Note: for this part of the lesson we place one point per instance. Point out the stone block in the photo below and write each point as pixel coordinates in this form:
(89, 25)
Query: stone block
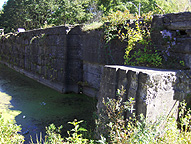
(56, 30)
(75, 30)
(157, 92)
(179, 25)
(74, 41)
(92, 75)
(55, 40)
(177, 21)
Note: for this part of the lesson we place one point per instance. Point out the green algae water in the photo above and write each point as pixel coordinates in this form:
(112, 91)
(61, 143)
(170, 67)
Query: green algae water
(35, 106)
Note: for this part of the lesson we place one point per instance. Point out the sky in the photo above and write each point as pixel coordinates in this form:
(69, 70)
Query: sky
(1, 3)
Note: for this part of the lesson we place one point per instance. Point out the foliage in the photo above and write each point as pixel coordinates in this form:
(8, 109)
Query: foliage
(109, 6)
(111, 122)
(32, 14)
(139, 37)
(71, 12)
(135, 32)
(27, 14)
(115, 128)
(115, 22)
(172, 6)
(92, 26)
(140, 49)
(184, 117)
(9, 132)
(54, 137)
(174, 134)
(75, 137)
(156, 6)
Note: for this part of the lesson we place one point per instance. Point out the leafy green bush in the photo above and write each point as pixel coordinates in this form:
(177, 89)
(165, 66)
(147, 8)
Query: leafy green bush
(140, 49)
(9, 132)
(53, 135)
(172, 6)
(113, 127)
(178, 132)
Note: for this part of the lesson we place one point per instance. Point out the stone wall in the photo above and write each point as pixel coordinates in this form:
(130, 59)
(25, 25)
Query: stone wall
(172, 35)
(71, 60)
(64, 58)
(156, 92)
(40, 54)
(95, 56)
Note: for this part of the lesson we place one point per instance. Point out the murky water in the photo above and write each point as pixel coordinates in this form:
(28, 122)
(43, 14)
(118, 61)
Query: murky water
(35, 106)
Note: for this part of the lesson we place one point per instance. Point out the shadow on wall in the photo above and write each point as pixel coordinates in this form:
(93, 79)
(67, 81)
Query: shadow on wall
(61, 57)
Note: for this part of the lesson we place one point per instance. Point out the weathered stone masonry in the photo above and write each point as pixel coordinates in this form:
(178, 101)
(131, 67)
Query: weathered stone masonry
(64, 58)
(71, 60)
(156, 92)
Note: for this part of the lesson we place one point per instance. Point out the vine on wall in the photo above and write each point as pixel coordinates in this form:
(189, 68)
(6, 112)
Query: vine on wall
(114, 23)
(135, 31)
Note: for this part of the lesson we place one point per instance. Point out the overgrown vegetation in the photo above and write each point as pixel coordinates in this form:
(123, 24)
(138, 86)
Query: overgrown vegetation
(9, 132)
(140, 49)
(128, 21)
(135, 32)
(32, 14)
(114, 127)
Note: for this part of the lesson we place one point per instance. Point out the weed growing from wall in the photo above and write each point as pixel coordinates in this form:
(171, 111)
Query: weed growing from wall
(41, 38)
(112, 24)
(140, 49)
(135, 31)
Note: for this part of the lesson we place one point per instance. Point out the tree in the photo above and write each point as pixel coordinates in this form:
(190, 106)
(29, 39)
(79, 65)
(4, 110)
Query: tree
(37, 12)
(9, 18)
(32, 14)
(171, 6)
(71, 12)
(108, 6)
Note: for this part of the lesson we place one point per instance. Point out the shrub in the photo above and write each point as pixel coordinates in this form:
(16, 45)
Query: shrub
(9, 132)
(75, 136)
(113, 127)
(178, 132)
(140, 50)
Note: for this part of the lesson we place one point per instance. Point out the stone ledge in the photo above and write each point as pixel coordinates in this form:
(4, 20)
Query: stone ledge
(156, 92)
